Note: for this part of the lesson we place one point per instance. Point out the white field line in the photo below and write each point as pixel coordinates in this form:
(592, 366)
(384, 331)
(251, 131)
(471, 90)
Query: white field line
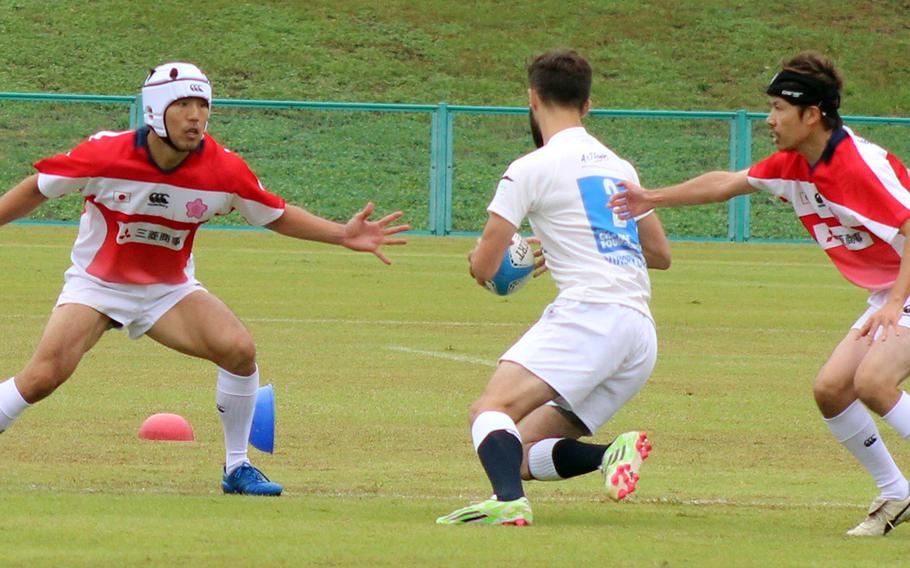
(389, 322)
(443, 355)
(633, 500)
(479, 324)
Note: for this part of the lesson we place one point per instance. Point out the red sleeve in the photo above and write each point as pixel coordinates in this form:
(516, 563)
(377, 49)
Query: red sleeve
(772, 173)
(257, 205)
(65, 173)
(774, 166)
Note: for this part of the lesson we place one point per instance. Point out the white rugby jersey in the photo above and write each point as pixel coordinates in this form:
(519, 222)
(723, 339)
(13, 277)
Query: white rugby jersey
(853, 203)
(139, 221)
(563, 189)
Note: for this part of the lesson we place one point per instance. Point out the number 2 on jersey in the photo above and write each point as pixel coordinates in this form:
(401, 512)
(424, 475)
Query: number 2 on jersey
(611, 233)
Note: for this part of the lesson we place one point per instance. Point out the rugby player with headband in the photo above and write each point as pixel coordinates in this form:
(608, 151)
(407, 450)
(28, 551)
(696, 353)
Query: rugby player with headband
(804, 90)
(853, 197)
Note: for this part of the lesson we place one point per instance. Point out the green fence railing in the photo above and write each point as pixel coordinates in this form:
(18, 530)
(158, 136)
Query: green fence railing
(444, 136)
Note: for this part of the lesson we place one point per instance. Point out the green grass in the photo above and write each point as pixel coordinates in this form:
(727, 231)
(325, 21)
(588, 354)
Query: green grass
(374, 368)
(688, 55)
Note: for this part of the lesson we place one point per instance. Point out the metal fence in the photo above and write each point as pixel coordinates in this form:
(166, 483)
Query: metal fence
(452, 206)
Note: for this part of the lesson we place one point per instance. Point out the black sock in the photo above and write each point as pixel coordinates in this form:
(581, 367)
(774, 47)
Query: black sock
(571, 457)
(500, 453)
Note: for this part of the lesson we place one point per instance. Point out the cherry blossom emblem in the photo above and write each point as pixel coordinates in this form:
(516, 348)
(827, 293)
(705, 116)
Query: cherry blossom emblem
(196, 208)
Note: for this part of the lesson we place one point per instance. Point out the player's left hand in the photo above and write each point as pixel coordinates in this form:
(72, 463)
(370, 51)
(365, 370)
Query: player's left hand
(361, 234)
(540, 263)
(887, 319)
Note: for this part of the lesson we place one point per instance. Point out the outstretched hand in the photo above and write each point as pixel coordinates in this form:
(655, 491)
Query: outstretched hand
(629, 203)
(363, 235)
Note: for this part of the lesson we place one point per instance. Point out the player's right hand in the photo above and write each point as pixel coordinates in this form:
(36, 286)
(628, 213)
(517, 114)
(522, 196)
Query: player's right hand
(540, 263)
(631, 202)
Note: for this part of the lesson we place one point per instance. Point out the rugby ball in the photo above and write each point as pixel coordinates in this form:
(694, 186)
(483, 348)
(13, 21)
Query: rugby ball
(515, 270)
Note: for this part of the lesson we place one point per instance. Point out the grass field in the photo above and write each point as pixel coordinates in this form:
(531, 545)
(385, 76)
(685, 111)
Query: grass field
(374, 368)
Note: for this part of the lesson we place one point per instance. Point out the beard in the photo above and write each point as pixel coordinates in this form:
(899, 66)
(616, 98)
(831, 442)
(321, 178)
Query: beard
(536, 134)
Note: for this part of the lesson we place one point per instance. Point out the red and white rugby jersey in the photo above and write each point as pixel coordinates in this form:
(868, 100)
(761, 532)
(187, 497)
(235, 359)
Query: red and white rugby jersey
(853, 202)
(139, 222)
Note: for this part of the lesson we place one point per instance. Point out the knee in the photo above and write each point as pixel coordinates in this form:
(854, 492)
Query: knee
(238, 355)
(474, 411)
(39, 380)
(485, 404)
(826, 391)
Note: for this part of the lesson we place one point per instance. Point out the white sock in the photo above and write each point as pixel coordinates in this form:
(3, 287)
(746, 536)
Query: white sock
(899, 416)
(236, 400)
(491, 421)
(540, 460)
(11, 403)
(855, 429)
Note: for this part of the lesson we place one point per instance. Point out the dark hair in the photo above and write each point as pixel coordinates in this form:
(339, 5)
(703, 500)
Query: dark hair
(820, 68)
(561, 77)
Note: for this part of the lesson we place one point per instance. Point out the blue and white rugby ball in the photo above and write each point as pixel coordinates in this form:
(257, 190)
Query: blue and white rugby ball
(515, 270)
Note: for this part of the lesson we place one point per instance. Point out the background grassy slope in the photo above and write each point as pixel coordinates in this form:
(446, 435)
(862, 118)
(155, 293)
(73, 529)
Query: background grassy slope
(647, 55)
(707, 55)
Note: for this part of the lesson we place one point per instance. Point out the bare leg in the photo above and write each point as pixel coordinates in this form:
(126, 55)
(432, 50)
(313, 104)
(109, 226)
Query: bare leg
(73, 329)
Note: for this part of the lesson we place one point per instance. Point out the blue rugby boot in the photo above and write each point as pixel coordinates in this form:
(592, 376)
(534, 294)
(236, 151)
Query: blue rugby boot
(247, 480)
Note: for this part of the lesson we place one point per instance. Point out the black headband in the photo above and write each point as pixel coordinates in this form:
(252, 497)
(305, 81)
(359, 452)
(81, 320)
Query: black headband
(799, 89)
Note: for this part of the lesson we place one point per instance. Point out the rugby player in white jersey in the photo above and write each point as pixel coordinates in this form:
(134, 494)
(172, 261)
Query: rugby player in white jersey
(595, 346)
(146, 194)
(853, 197)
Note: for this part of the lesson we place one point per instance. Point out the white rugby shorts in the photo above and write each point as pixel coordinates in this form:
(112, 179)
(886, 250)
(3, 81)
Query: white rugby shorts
(135, 308)
(876, 301)
(596, 356)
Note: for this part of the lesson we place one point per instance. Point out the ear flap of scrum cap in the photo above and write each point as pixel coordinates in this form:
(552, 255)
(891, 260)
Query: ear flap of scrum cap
(167, 83)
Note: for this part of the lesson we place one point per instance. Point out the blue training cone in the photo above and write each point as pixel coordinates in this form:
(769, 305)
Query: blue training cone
(262, 434)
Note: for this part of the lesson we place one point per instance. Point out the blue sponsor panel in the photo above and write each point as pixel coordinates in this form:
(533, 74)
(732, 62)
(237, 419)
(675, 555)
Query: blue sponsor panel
(615, 238)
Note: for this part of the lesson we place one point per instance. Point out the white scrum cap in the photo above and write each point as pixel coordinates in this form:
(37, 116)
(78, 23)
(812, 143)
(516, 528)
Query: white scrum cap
(167, 83)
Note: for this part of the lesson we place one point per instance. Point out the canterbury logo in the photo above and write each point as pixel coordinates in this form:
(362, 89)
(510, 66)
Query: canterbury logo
(869, 441)
(159, 199)
(196, 88)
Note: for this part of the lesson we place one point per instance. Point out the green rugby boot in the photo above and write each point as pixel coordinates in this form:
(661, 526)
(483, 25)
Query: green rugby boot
(621, 463)
(491, 512)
